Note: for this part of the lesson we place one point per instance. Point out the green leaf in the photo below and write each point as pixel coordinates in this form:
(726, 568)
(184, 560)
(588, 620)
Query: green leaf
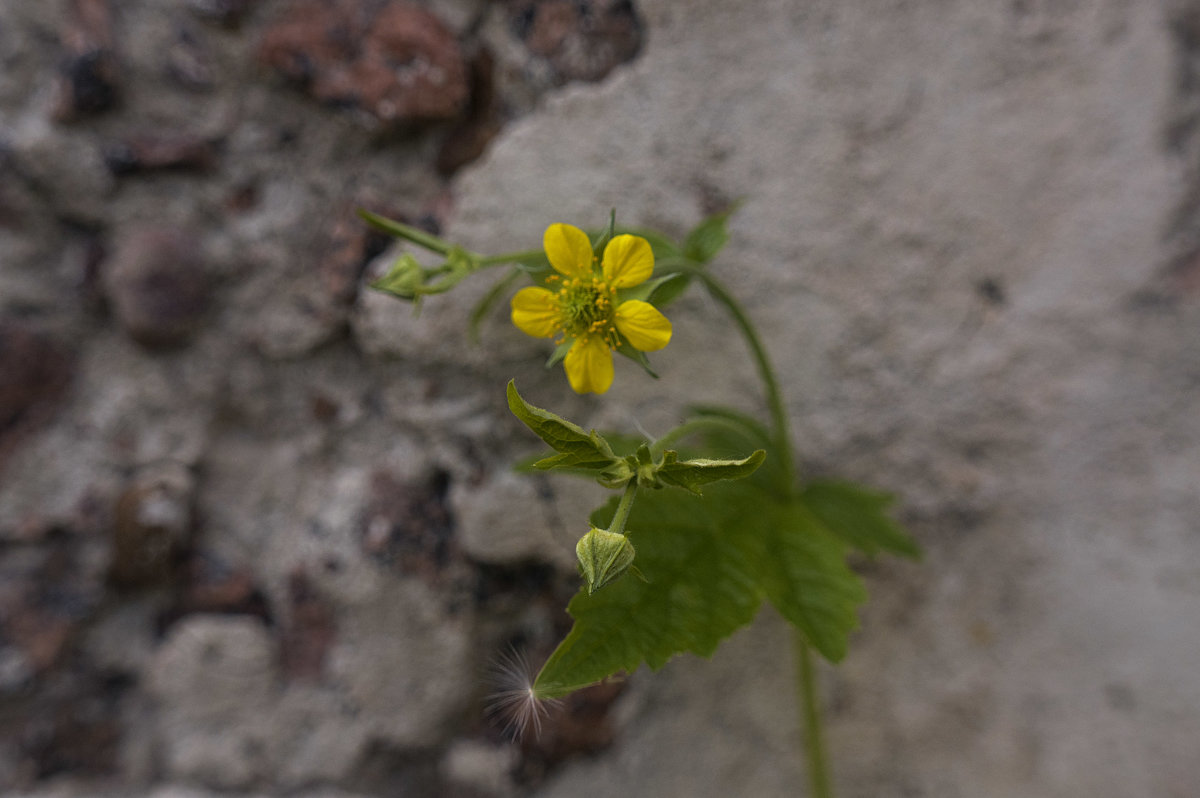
(709, 237)
(701, 589)
(620, 443)
(709, 562)
(729, 432)
(577, 449)
(805, 576)
(859, 517)
(691, 475)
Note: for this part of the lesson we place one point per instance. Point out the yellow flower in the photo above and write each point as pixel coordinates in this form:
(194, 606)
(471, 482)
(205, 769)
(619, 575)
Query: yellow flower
(581, 304)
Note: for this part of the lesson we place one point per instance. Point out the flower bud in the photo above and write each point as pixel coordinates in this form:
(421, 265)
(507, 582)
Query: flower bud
(603, 557)
(404, 279)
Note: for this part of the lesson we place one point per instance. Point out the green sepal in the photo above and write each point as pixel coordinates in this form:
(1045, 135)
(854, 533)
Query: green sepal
(644, 291)
(605, 235)
(636, 355)
(691, 475)
(559, 353)
(577, 448)
(859, 517)
(603, 557)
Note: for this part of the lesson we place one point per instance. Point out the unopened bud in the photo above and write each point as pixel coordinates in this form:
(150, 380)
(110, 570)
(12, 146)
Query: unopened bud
(603, 557)
(404, 279)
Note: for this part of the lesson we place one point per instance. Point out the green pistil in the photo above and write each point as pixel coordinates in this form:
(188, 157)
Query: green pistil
(586, 307)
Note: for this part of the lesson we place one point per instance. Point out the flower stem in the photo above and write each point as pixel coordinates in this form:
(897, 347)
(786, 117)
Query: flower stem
(623, 508)
(779, 419)
(814, 744)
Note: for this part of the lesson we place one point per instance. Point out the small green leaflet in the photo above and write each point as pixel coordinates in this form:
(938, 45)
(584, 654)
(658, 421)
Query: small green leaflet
(691, 475)
(708, 562)
(577, 449)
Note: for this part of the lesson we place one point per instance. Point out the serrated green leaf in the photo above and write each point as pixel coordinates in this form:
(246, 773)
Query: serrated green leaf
(578, 449)
(710, 561)
(804, 574)
(858, 516)
(691, 475)
(702, 587)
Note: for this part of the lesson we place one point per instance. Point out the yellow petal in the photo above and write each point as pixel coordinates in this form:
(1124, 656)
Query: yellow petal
(569, 250)
(535, 312)
(628, 260)
(589, 365)
(642, 323)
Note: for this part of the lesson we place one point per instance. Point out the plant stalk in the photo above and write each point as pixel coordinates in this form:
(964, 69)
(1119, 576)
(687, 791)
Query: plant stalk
(779, 419)
(814, 741)
(623, 508)
(810, 712)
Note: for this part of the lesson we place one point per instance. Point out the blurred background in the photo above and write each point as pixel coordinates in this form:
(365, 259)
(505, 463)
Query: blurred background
(259, 534)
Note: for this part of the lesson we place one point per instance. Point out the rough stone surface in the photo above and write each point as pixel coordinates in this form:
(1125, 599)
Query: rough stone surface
(157, 285)
(399, 63)
(969, 232)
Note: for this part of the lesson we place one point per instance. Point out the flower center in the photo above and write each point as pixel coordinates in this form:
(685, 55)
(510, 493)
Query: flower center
(585, 307)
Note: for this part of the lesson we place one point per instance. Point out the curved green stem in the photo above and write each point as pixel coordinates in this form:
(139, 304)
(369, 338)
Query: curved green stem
(814, 743)
(779, 419)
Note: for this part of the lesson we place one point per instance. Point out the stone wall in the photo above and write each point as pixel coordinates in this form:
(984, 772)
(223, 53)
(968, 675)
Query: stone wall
(258, 532)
